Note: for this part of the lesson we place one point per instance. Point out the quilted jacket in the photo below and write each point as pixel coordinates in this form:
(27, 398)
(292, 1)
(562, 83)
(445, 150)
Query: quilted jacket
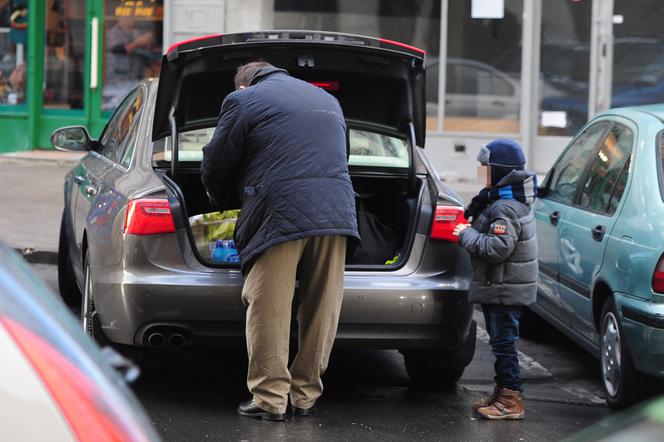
(281, 145)
(503, 248)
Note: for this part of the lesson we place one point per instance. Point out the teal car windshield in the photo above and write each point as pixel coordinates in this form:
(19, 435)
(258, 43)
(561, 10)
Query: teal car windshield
(367, 148)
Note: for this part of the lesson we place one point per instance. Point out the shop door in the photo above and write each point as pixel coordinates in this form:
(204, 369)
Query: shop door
(126, 47)
(564, 83)
(95, 51)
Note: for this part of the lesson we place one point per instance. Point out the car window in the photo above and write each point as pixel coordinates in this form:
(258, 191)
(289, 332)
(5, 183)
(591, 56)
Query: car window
(112, 139)
(600, 191)
(567, 172)
(132, 119)
(367, 148)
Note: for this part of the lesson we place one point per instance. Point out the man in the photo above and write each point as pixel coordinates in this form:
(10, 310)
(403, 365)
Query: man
(503, 248)
(281, 145)
(128, 54)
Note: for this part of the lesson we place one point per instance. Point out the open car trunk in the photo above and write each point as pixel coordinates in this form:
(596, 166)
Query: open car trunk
(380, 85)
(388, 209)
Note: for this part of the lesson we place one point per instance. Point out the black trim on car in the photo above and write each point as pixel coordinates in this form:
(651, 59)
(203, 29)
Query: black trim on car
(575, 285)
(548, 270)
(656, 321)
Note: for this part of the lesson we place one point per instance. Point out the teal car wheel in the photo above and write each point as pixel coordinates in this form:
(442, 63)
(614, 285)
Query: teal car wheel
(611, 371)
(619, 377)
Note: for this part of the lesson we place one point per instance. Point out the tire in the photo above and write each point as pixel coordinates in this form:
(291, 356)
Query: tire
(620, 380)
(89, 317)
(430, 369)
(532, 326)
(69, 291)
(439, 369)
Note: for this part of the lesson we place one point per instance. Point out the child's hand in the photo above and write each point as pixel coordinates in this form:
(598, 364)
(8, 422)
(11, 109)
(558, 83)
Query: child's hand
(460, 228)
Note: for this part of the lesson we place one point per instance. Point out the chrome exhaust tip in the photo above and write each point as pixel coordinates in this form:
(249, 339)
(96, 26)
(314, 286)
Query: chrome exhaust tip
(156, 340)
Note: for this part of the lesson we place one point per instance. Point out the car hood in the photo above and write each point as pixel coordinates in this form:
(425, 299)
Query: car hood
(375, 80)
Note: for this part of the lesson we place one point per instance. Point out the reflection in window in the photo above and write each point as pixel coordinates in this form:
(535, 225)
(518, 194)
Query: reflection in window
(132, 46)
(415, 22)
(64, 54)
(604, 186)
(564, 67)
(483, 72)
(13, 49)
(638, 54)
(566, 174)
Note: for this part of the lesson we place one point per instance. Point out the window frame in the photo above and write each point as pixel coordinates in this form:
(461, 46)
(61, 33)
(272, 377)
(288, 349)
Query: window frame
(117, 116)
(586, 172)
(600, 140)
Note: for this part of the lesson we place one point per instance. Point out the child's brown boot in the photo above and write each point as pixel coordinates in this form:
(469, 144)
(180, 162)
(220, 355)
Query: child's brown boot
(508, 405)
(486, 401)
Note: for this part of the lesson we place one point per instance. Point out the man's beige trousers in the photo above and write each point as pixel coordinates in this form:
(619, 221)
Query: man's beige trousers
(268, 294)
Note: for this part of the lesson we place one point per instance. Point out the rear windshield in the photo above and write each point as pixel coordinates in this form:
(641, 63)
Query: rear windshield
(367, 149)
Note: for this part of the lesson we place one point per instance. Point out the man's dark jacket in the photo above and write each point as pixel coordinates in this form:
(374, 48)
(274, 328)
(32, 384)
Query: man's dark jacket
(281, 145)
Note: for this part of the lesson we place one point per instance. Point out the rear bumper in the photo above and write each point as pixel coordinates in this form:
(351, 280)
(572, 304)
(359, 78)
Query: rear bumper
(643, 324)
(378, 310)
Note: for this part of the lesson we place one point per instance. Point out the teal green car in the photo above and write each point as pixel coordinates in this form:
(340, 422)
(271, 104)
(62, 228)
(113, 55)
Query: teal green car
(600, 221)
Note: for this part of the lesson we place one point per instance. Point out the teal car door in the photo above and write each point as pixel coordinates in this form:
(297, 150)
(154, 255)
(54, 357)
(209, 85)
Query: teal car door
(557, 198)
(584, 230)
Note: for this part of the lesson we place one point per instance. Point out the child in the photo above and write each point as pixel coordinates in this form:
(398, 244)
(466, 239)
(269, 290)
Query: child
(503, 248)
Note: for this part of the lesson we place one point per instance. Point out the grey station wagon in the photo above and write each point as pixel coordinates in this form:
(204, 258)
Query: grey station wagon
(129, 254)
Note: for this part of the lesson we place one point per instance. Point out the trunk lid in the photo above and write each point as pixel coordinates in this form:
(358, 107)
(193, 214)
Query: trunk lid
(377, 81)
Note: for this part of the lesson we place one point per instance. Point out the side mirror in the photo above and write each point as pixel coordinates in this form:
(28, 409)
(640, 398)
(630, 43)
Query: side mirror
(71, 139)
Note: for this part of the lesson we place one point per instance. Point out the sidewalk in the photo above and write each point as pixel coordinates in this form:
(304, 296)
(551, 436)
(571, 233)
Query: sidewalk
(31, 201)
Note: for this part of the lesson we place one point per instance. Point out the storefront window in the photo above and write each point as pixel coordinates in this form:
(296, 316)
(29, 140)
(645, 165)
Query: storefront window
(483, 73)
(13, 50)
(638, 53)
(564, 67)
(64, 54)
(132, 46)
(415, 22)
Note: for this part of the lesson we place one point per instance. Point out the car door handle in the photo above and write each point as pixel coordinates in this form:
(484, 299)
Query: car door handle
(90, 190)
(554, 218)
(79, 179)
(498, 104)
(598, 233)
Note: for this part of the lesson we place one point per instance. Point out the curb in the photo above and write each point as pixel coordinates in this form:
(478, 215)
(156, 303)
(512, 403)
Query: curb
(38, 256)
(38, 162)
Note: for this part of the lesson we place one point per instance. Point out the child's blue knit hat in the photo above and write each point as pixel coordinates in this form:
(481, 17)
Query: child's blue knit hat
(502, 152)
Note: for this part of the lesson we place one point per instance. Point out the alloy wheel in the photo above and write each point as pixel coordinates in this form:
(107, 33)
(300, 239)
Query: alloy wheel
(611, 352)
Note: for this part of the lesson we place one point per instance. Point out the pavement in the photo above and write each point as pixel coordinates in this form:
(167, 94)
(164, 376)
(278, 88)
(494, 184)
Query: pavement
(31, 200)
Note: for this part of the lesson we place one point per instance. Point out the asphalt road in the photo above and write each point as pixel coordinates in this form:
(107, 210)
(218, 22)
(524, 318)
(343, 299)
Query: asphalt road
(192, 396)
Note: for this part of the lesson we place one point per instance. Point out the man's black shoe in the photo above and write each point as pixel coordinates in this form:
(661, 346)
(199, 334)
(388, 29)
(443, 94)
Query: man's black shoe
(303, 412)
(251, 409)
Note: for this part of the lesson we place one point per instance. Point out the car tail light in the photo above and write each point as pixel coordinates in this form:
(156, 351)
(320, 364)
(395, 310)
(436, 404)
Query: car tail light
(332, 85)
(658, 276)
(149, 216)
(444, 222)
(79, 400)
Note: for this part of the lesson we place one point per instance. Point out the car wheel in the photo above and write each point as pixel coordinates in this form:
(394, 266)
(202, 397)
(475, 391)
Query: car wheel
(430, 368)
(87, 304)
(439, 369)
(619, 377)
(531, 325)
(69, 291)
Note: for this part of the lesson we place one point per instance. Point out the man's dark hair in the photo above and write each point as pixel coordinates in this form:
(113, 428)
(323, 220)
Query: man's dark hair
(247, 71)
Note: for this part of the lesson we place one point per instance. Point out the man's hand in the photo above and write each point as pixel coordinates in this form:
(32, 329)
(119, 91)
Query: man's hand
(460, 228)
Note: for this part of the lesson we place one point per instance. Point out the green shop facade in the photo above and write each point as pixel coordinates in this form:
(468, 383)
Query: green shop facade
(69, 62)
